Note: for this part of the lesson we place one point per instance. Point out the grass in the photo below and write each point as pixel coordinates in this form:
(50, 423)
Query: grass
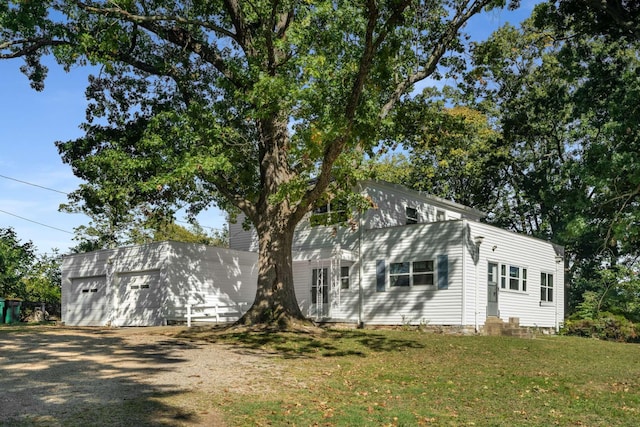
(412, 378)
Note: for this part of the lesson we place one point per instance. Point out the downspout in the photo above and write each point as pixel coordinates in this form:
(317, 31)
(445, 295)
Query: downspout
(360, 268)
(463, 317)
(477, 240)
(559, 259)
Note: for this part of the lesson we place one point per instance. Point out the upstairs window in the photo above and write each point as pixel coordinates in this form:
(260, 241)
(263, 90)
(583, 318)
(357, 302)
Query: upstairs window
(329, 213)
(411, 215)
(440, 215)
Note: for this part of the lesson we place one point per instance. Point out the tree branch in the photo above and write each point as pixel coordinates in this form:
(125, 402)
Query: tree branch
(34, 44)
(438, 51)
(176, 35)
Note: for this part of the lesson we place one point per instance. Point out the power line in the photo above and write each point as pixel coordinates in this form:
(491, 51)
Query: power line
(36, 222)
(66, 194)
(34, 185)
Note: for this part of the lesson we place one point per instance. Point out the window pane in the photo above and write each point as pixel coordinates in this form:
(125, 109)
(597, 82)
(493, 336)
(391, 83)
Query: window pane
(412, 215)
(422, 266)
(543, 293)
(550, 295)
(550, 281)
(399, 280)
(399, 268)
(514, 284)
(423, 279)
(514, 271)
(344, 277)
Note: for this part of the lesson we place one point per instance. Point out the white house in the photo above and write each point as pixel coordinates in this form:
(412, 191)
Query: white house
(413, 259)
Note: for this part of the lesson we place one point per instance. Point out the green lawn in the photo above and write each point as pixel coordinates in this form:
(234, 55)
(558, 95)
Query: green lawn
(412, 378)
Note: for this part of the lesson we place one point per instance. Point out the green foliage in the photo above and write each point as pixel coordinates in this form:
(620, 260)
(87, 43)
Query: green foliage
(25, 274)
(44, 281)
(16, 259)
(606, 326)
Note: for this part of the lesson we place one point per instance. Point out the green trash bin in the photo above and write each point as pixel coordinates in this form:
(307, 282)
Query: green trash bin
(1, 310)
(12, 308)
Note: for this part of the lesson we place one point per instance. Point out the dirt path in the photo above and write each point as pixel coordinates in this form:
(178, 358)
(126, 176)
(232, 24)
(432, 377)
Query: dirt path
(130, 376)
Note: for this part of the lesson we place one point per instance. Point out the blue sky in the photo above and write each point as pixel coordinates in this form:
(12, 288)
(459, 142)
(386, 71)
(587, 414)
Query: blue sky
(30, 123)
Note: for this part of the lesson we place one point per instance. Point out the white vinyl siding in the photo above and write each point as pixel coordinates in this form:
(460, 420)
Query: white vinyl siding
(507, 248)
(417, 304)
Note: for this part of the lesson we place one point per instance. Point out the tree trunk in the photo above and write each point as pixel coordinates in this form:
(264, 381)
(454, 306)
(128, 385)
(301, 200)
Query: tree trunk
(275, 303)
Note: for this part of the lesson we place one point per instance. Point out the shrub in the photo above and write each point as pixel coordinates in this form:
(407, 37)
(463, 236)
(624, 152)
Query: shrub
(606, 326)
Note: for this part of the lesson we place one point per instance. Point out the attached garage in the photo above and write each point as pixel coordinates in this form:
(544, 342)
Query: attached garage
(152, 284)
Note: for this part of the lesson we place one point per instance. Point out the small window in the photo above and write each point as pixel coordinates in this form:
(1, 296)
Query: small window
(423, 273)
(135, 287)
(321, 209)
(399, 274)
(546, 287)
(516, 278)
(344, 277)
(94, 290)
(146, 286)
(440, 215)
(85, 291)
(411, 215)
(417, 273)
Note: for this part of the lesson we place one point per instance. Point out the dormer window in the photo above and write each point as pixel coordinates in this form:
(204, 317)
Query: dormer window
(411, 215)
(440, 215)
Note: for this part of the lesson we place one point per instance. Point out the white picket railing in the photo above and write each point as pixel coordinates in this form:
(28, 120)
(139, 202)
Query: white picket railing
(214, 312)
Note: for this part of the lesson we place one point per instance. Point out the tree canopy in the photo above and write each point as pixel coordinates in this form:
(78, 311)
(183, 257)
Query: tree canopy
(255, 106)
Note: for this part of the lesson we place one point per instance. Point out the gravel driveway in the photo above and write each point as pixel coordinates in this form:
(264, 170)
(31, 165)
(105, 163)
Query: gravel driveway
(130, 376)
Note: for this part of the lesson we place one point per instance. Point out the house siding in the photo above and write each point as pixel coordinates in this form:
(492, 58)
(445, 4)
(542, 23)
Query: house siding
(417, 242)
(205, 275)
(507, 248)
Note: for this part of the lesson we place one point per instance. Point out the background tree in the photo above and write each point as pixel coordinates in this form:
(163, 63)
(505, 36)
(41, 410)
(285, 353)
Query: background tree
(257, 107)
(44, 279)
(564, 101)
(16, 259)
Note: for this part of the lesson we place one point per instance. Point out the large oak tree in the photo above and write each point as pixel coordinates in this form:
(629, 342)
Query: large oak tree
(256, 106)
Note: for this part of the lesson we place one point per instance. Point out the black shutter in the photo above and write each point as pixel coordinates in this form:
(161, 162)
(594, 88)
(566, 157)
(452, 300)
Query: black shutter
(443, 272)
(381, 276)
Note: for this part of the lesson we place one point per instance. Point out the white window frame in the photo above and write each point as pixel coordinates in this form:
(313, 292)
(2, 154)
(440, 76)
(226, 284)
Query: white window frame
(413, 273)
(345, 277)
(546, 287)
(441, 215)
(513, 274)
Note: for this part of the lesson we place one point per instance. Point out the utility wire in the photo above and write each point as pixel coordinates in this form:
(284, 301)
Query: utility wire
(36, 222)
(34, 185)
(66, 194)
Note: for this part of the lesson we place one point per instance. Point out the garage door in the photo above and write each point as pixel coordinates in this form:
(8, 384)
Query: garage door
(87, 302)
(140, 299)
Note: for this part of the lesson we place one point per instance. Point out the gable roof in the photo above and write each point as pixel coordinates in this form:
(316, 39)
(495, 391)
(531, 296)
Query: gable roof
(466, 211)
